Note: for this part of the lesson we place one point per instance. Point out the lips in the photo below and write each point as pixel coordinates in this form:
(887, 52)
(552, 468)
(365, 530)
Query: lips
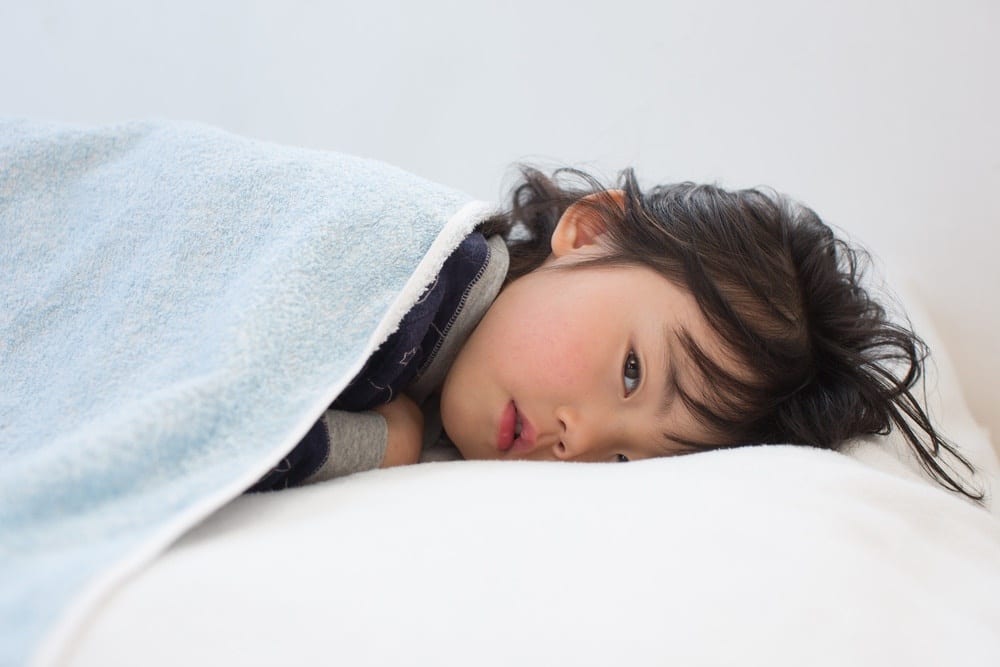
(508, 423)
(515, 432)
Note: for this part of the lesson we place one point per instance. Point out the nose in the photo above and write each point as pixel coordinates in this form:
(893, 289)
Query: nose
(583, 433)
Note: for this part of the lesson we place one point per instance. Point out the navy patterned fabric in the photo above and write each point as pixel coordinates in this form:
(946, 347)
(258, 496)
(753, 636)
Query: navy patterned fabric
(397, 363)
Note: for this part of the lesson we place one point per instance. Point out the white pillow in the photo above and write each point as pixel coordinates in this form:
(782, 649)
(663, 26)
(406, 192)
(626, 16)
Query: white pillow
(761, 556)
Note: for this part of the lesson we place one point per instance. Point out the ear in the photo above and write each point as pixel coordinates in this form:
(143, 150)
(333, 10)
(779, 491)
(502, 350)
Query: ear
(582, 224)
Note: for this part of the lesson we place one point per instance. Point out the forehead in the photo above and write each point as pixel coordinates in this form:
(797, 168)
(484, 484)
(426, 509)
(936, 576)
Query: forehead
(648, 299)
(638, 282)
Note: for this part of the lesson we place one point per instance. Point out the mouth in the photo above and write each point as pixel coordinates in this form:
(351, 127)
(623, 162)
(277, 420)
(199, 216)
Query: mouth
(515, 432)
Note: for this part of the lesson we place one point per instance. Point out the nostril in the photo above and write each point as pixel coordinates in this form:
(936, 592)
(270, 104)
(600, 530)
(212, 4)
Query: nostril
(561, 447)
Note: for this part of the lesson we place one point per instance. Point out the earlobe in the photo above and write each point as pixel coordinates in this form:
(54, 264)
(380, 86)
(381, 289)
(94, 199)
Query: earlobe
(582, 224)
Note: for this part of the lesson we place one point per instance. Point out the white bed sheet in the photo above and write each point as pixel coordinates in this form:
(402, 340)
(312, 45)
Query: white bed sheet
(762, 556)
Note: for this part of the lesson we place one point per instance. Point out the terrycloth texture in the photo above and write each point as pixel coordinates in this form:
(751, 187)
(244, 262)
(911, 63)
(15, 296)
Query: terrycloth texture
(177, 307)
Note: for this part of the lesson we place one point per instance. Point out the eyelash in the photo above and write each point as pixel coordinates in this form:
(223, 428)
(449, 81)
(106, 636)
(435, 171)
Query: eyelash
(631, 365)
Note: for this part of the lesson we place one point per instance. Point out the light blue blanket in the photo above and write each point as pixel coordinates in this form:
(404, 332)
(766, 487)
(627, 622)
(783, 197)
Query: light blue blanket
(177, 306)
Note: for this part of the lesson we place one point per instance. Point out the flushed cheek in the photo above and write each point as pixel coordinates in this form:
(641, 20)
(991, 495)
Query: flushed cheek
(558, 358)
(567, 364)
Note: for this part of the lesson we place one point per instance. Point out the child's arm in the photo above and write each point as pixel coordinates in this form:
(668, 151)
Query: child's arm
(389, 435)
(405, 422)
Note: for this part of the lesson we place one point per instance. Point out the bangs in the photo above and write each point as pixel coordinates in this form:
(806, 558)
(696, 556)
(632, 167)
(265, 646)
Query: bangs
(725, 402)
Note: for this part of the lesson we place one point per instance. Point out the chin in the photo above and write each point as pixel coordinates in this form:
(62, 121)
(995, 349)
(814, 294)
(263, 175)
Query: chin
(452, 428)
(470, 452)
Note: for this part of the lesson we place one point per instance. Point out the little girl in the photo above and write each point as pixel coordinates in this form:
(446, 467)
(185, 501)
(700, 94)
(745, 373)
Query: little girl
(593, 324)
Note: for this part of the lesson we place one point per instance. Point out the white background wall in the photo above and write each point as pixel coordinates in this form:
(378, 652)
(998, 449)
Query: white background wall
(882, 115)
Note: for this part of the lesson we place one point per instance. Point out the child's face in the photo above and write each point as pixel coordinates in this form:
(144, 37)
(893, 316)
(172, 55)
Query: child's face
(575, 365)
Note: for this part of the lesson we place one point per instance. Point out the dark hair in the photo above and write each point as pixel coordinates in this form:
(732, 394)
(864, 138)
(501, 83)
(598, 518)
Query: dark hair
(825, 362)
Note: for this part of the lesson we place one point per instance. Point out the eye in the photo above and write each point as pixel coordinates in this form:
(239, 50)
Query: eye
(631, 372)
(621, 458)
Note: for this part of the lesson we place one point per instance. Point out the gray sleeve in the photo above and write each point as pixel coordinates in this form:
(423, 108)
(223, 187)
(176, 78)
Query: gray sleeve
(357, 443)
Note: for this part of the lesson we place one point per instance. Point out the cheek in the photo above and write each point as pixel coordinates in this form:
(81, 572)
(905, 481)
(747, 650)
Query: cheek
(558, 351)
(551, 335)
(567, 365)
